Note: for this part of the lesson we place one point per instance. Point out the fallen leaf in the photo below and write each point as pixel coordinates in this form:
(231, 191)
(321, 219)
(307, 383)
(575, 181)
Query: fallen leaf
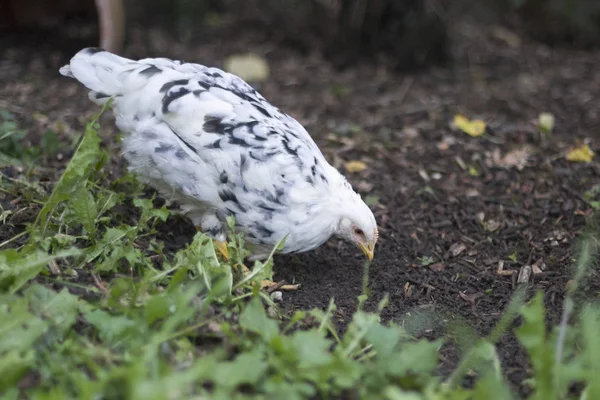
(472, 193)
(214, 327)
(457, 248)
(492, 225)
(39, 117)
(410, 132)
(507, 36)
(480, 217)
(371, 200)
(517, 158)
(408, 289)
(473, 128)
(355, 166)
(437, 267)
(364, 186)
(539, 266)
(582, 153)
(470, 298)
(249, 67)
(426, 260)
(546, 122)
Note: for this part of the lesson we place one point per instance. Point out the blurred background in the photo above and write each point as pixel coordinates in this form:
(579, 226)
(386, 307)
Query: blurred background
(400, 34)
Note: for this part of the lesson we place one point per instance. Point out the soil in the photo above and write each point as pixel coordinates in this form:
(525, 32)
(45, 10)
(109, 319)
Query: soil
(450, 207)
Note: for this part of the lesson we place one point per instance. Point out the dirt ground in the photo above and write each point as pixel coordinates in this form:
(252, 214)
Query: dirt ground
(450, 207)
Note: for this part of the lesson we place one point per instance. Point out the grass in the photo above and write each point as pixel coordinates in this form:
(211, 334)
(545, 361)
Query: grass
(92, 307)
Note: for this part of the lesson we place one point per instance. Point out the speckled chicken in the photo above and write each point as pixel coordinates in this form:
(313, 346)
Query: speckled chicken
(207, 139)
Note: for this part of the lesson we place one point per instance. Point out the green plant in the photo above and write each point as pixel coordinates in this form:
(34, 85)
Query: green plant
(93, 307)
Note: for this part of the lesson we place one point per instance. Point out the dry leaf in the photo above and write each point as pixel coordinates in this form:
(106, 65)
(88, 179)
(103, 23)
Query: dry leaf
(249, 67)
(457, 248)
(473, 128)
(539, 266)
(472, 193)
(480, 216)
(214, 327)
(517, 158)
(582, 153)
(364, 186)
(507, 36)
(584, 213)
(410, 132)
(470, 298)
(443, 146)
(355, 166)
(437, 267)
(408, 289)
(492, 225)
(446, 142)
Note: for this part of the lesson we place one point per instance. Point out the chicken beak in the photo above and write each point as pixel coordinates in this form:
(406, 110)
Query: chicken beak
(222, 247)
(368, 249)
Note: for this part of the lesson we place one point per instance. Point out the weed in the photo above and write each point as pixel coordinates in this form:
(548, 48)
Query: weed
(92, 307)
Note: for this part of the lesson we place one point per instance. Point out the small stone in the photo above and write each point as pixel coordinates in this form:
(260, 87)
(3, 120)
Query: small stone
(277, 296)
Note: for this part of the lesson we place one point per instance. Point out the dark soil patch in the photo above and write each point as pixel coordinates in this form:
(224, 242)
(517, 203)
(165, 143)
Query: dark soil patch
(438, 189)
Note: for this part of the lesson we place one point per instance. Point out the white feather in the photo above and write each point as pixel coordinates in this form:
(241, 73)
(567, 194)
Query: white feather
(209, 140)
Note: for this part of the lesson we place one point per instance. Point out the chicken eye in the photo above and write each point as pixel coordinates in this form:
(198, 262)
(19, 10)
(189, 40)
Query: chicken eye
(358, 231)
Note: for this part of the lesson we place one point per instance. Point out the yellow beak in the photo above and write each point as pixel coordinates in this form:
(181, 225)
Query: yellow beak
(222, 247)
(369, 250)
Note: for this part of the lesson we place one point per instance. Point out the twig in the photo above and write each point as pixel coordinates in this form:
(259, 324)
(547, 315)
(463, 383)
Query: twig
(425, 285)
(100, 285)
(272, 288)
